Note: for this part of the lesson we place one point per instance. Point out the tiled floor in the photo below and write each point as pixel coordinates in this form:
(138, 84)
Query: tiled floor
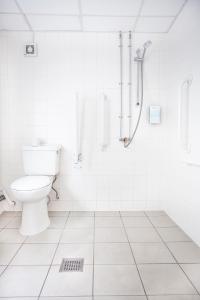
(128, 256)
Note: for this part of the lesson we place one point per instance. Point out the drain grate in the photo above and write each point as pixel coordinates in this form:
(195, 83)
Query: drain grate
(72, 265)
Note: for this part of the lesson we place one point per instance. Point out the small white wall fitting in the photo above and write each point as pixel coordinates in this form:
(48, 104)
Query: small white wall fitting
(154, 114)
(30, 49)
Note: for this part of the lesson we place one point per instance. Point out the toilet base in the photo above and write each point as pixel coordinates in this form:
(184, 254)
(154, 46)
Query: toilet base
(35, 217)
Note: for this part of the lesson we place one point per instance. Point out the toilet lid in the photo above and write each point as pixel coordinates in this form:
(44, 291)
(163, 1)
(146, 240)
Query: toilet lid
(30, 183)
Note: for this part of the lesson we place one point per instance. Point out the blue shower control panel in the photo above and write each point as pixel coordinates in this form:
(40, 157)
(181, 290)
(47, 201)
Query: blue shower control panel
(154, 114)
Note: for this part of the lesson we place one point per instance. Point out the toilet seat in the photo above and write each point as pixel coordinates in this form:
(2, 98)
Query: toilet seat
(31, 183)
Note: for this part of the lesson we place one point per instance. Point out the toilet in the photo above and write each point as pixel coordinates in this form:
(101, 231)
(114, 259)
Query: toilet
(41, 165)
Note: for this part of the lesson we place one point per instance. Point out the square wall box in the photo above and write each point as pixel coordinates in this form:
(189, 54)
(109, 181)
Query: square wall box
(154, 114)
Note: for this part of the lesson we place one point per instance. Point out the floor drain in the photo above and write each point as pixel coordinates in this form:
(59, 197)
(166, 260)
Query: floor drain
(72, 265)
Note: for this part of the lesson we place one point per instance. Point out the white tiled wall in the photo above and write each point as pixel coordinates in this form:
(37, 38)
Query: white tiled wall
(180, 60)
(37, 100)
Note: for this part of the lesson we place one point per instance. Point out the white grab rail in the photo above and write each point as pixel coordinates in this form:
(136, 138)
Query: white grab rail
(78, 121)
(105, 119)
(184, 114)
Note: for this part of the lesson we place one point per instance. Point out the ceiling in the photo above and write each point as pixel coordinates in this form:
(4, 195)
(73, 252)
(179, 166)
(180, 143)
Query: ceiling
(143, 16)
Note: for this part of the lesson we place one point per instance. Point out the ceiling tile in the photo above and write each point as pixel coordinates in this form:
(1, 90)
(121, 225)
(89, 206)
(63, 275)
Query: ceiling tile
(8, 6)
(151, 24)
(50, 6)
(108, 24)
(12, 22)
(111, 7)
(39, 22)
(161, 7)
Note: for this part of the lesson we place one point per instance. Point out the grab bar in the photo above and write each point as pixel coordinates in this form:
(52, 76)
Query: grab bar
(184, 115)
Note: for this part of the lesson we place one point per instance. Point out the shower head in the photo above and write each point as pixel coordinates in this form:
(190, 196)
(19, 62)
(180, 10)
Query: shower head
(147, 44)
(140, 52)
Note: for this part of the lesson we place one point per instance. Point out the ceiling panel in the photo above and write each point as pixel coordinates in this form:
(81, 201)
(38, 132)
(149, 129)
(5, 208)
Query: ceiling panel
(39, 22)
(151, 24)
(161, 7)
(8, 6)
(12, 22)
(108, 24)
(111, 7)
(50, 6)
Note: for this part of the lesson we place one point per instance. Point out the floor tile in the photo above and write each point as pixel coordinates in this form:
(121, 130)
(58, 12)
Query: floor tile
(80, 222)
(107, 214)
(58, 213)
(117, 280)
(174, 234)
(19, 298)
(108, 222)
(175, 297)
(4, 221)
(22, 281)
(57, 222)
(68, 283)
(151, 213)
(151, 253)
(120, 298)
(65, 298)
(113, 253)
(7, 252)
(132, 213)
(78, 235)
(35, 254)
(193, 272)
(15, 223)
(110, 235)
(185, 252)
(47, 236)
(11, 236)
(136, 222)
(12, 213)
(81, 214)
(142, 235)
(161, 279)
(74, 251)
(162, 221)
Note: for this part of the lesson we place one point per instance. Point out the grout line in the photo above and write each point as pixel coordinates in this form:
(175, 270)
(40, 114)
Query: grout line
(133, 255)
(165, 243)
(14, 254)
(52, 259)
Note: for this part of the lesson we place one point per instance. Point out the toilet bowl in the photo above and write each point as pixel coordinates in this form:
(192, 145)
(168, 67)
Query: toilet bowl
(32, 191)
(41, 166)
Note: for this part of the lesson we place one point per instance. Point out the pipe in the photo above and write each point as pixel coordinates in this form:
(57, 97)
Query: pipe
(139, 99)
(121, 86)
(130, 83)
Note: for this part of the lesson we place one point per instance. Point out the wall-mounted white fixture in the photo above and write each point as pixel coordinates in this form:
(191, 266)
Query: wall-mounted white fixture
(30, 49)
(105, 122)
(154, 114)
(78, 130)
(184, 114)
